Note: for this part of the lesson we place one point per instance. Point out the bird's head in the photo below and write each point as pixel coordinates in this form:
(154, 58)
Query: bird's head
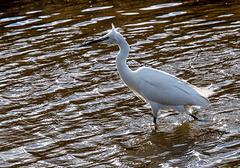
(112, 37)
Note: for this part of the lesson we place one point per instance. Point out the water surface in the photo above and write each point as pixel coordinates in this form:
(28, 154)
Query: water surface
(65, 106)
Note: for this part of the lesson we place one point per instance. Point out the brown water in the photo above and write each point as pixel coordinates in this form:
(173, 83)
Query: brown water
(64, 106)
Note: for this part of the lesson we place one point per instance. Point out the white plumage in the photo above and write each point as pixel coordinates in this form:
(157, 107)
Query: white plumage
(160, 89)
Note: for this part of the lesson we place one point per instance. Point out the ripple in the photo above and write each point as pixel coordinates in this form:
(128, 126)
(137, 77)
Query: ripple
(23, 23)
(204, 24)
(69, 107)
(33, 12)
(103, 18)
(15, 157)
(130, 13)
(160, 6)
(11, 18)
(172, 14)
(96, 8)
(54, 23)
(147, 23)
(85, 23)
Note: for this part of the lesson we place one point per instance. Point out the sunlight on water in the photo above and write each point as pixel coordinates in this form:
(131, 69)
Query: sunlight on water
(64, 106)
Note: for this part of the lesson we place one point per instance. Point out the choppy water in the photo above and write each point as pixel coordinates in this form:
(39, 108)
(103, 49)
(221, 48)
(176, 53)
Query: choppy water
(62, 106)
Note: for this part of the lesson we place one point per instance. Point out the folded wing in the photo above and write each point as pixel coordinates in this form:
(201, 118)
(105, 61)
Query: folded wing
(161, 87)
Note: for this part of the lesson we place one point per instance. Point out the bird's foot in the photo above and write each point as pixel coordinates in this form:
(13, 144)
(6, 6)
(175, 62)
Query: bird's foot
(193, 116)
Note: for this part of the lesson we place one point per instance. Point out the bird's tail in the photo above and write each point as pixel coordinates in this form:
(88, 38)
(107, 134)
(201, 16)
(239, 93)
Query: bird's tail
(205, 91)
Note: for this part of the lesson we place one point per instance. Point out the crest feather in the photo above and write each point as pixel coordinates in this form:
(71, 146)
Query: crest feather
(113, 27)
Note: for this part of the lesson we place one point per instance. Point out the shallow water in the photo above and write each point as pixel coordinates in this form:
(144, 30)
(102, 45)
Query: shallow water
(65, 106)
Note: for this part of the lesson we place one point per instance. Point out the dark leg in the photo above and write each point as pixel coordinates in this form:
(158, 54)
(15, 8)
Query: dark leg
(193, 116)
(154, 120)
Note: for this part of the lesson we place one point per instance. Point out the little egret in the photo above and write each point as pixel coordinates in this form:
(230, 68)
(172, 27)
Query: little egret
(160, 89)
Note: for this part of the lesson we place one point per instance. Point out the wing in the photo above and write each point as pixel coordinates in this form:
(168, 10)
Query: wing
(166, 89)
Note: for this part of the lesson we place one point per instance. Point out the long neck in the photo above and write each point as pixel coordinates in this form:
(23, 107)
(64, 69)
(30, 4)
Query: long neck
(122, 67)
(125, 72)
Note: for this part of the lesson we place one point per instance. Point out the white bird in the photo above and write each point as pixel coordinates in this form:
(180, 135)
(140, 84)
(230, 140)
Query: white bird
(160, 89)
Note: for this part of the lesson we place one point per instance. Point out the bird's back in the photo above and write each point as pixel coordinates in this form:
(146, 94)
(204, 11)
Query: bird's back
(161, 87)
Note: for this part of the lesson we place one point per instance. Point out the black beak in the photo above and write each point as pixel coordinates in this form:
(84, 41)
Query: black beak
(95, 41)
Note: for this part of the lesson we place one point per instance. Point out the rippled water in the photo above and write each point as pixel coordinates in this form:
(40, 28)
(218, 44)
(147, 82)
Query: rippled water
(62, 106)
